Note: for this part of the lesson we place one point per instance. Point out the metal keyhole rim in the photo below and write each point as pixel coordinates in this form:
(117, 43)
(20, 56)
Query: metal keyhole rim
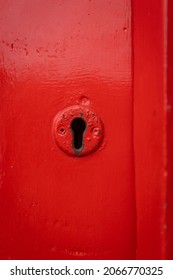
(63, 119)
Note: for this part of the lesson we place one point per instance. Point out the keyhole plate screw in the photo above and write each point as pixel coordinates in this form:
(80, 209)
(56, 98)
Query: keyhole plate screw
(92, 133)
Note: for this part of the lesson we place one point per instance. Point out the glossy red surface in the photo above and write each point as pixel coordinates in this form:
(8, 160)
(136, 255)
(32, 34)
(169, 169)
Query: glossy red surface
(52, 205)
(150, 94)
(170, 131)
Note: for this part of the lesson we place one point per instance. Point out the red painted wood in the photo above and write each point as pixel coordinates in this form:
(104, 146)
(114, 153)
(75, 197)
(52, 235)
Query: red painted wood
(54, 54)
(170, 132)
(149, 41)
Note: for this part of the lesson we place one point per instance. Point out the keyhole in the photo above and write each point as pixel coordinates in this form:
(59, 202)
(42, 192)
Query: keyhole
(78, 127)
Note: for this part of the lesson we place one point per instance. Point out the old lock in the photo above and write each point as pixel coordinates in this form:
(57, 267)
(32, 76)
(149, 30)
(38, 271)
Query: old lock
(78, 130)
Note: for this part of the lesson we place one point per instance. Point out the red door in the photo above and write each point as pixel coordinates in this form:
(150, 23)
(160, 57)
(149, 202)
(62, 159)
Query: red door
(56, 54)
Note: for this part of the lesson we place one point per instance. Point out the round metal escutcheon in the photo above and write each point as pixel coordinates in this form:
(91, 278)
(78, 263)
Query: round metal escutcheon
(78, 130)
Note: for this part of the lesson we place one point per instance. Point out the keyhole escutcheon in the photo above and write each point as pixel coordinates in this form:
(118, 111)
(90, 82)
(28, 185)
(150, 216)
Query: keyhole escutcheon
(78, 128)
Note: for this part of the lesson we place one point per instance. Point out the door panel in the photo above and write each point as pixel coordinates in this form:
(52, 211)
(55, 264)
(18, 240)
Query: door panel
(56, 54)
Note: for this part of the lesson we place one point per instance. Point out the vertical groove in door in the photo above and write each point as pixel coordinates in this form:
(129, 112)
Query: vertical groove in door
(149, 44)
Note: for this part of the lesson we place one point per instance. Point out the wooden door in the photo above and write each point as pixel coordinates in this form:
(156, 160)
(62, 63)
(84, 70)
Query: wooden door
(55, 54)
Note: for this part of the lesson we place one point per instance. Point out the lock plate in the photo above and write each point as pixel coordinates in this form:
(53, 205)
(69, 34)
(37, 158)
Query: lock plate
(78, 130)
